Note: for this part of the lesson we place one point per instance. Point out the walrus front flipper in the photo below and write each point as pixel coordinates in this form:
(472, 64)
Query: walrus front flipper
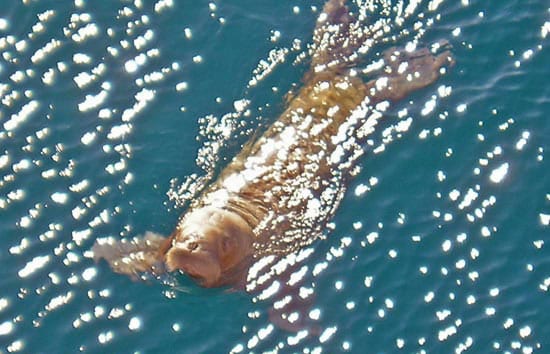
(132, 257)
(336, 38)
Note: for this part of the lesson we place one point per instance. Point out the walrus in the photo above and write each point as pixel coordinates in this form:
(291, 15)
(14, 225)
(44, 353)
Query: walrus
(278, 194)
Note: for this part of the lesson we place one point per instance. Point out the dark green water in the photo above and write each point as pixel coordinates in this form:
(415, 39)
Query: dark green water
(447, 251)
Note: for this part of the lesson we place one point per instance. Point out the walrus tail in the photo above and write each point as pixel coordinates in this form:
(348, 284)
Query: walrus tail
(336, 38)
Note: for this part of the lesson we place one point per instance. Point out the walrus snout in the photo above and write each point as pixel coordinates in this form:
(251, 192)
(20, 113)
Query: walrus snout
(191, 244)
(202, 265)
(210, 246)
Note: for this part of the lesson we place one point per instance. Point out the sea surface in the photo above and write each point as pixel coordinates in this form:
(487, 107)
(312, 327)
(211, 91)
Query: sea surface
(112, 113)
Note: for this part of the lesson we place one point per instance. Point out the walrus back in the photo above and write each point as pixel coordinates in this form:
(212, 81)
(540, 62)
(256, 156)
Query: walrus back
(289, 182)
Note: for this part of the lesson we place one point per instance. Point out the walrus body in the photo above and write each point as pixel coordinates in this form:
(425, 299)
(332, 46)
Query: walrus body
(278, 194)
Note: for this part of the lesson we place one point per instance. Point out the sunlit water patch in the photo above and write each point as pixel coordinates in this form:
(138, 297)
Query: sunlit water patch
(115, 115)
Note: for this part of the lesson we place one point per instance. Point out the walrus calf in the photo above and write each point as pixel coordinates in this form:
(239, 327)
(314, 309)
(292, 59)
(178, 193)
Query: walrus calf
(278, 194)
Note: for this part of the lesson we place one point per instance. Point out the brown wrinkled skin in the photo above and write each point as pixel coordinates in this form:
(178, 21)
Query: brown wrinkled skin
(277, 195)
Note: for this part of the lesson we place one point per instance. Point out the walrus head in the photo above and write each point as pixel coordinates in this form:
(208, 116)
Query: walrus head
(211, 245)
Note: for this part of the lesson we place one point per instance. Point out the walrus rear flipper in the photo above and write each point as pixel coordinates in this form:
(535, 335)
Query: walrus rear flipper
(408, 71)
(335, 39)
(133, 257)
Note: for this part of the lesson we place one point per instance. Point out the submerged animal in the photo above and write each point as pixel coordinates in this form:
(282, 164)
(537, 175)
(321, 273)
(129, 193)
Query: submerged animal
(277, 195)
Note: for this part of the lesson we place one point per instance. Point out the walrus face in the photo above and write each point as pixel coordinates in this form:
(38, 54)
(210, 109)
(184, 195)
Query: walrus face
(210, 246)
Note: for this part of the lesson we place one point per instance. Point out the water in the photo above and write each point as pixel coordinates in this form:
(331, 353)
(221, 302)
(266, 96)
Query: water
(440, 245)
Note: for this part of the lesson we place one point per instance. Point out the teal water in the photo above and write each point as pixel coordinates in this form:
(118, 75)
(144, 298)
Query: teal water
(440, 245)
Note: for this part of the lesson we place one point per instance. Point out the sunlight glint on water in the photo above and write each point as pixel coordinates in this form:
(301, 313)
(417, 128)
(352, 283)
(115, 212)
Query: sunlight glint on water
(442, 233)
